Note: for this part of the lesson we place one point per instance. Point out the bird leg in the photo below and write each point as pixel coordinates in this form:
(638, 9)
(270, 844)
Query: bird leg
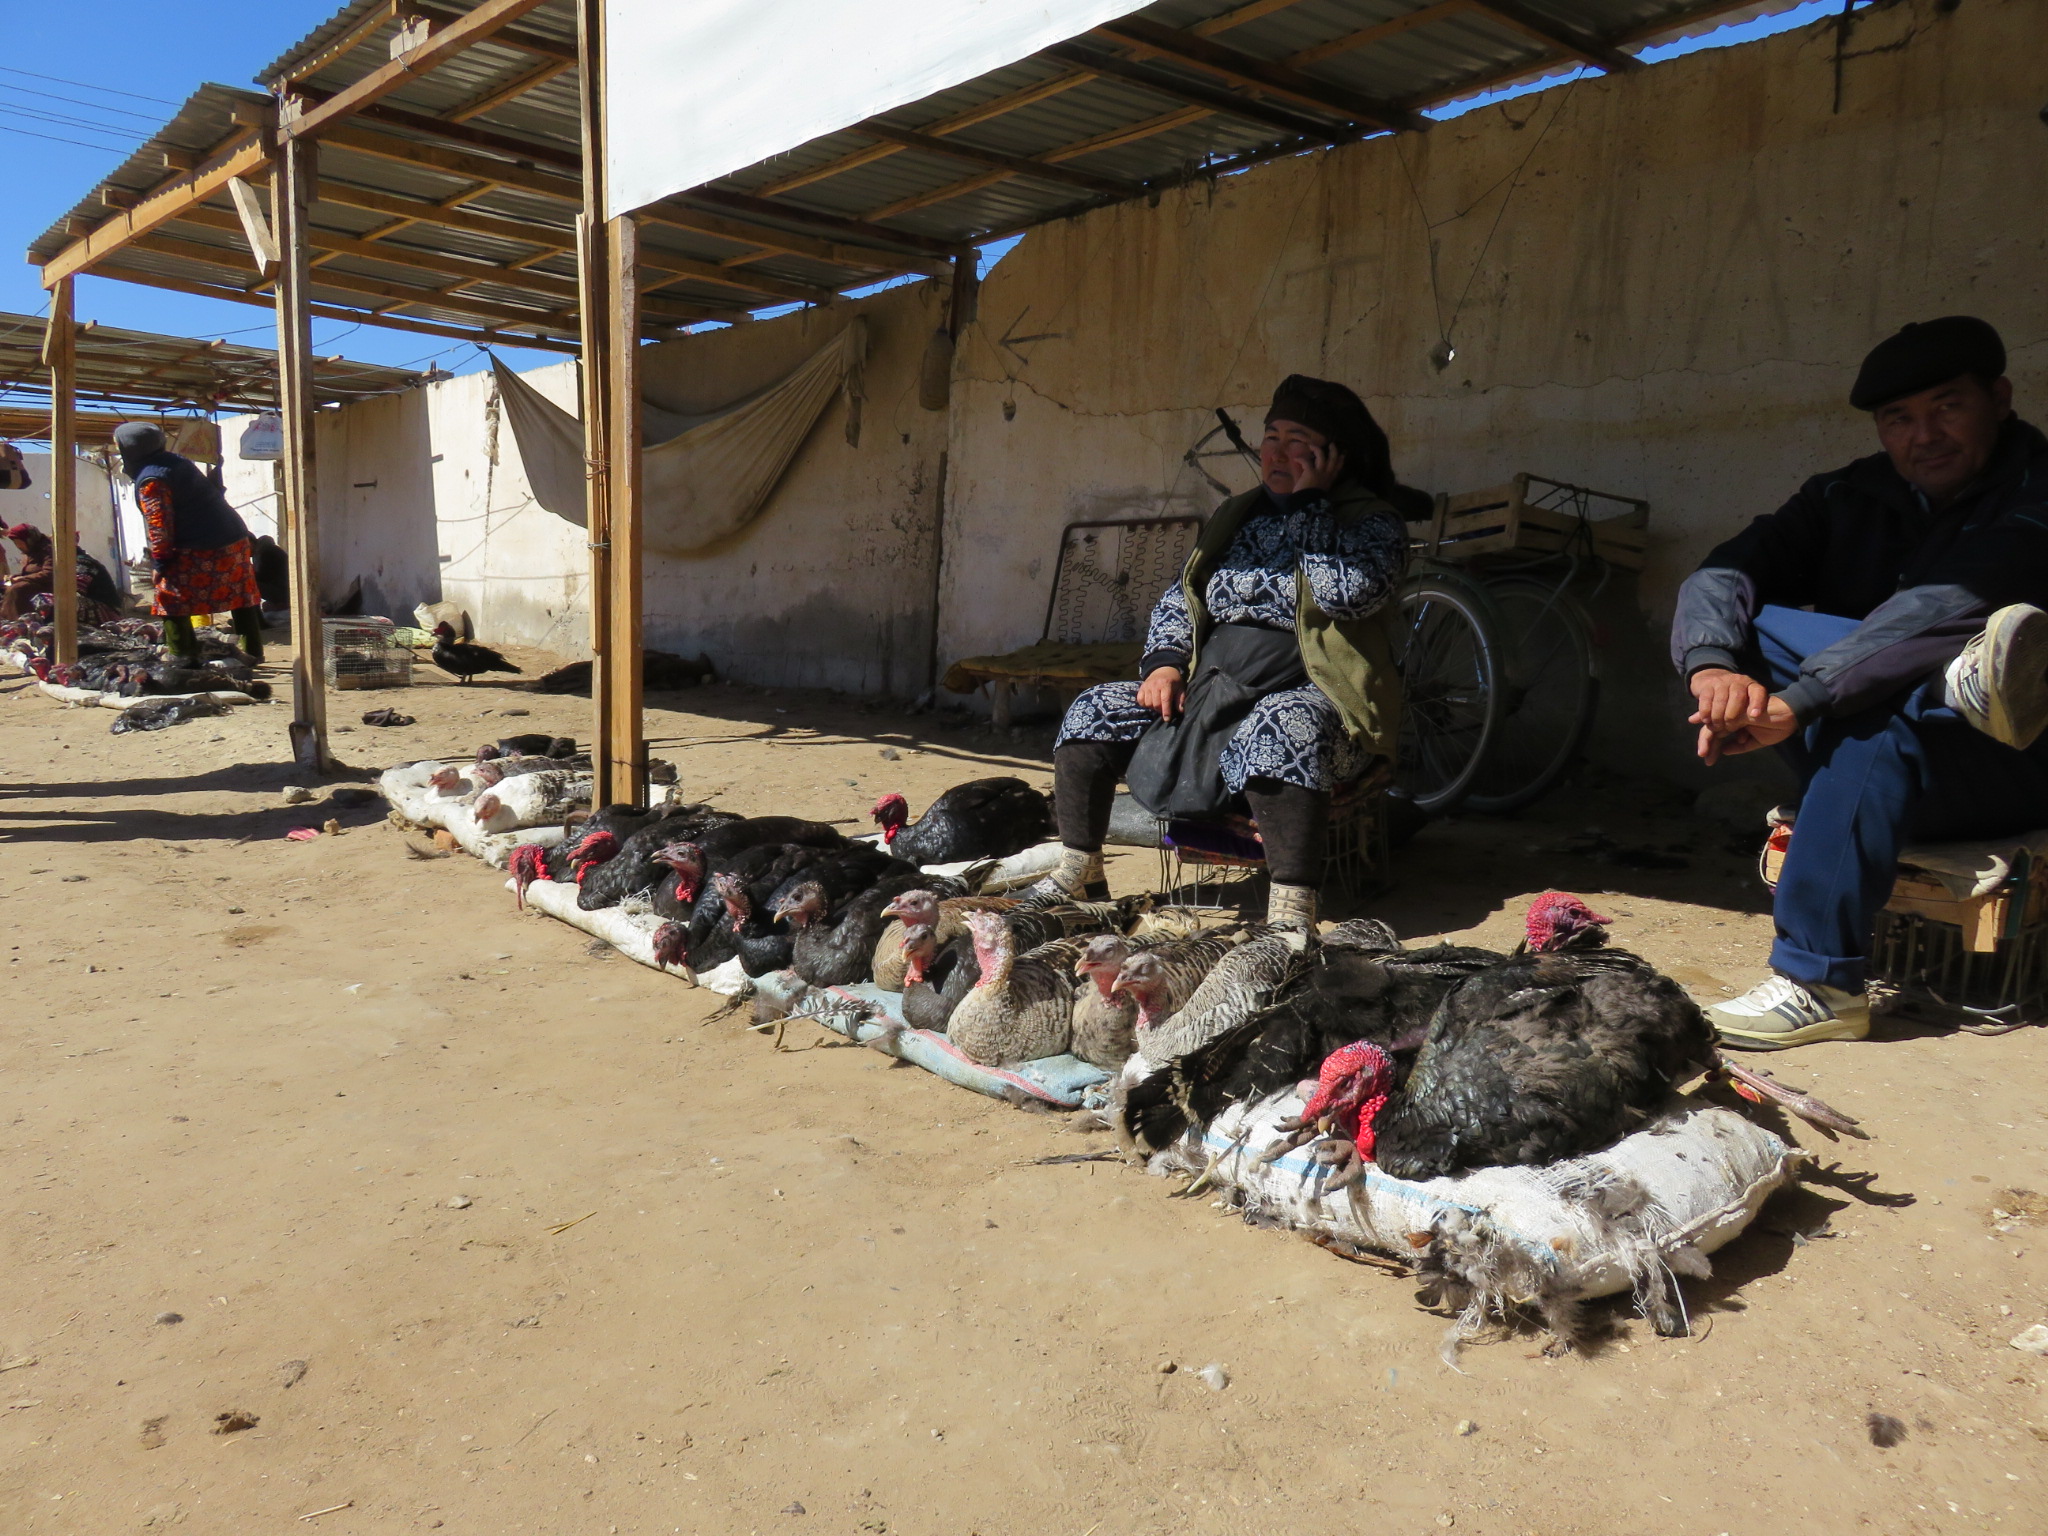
(1346, 1167)
(1297, 1133)
(1207, 1176)
(1757, 1086)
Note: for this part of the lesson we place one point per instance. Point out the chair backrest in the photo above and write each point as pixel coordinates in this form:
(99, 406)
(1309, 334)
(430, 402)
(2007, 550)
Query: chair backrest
(1111, 573)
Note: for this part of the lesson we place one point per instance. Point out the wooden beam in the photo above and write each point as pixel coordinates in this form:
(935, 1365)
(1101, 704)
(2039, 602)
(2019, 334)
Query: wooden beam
(1562, 36)
(786, 242)
(1248, 108)
(1240, 68)
(508, 37)
(510, 90)
(291, 198)
(525, 152)
(441, 44)
(159, 208)
(365, 28)
(417, 211)
(1257, 10)
(1014, 165)
(890, 240)
(255, 224)
(625, 741)
(593, 277)
(453, 162)
(483, 337)
(729, 277)
(60, 345)
(1365, 37)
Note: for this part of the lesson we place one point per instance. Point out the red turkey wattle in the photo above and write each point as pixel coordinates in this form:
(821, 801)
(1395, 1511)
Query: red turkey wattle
(1558, 920)
(1352, 1089)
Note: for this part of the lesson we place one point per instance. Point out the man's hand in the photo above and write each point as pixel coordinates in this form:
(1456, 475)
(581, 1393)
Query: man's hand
(1162, 690)
(1777, 723)
(1727, 700)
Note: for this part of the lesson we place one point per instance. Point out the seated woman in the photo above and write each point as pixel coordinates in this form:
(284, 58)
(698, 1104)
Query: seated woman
(1267, 671)
(197, 540)
(99, 600)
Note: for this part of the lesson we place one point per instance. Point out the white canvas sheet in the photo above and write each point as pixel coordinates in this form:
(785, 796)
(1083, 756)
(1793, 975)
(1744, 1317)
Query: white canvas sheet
(696, 91)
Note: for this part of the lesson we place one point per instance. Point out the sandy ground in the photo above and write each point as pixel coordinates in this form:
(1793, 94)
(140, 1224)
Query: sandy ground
(489, 1234)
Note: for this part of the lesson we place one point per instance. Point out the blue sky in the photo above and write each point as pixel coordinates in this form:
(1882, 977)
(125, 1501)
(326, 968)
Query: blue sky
(82, 81)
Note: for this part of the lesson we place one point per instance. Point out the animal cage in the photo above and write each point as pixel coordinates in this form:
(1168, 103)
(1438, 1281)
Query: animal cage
(364, 653)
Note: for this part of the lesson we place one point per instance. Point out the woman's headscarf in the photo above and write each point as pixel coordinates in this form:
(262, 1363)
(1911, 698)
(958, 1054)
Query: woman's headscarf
(35, 543)
(1335, 411)
(138, 442)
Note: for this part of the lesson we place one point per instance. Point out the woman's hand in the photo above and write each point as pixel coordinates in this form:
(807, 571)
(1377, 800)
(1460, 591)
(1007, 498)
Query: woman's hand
(1162, 690)
(1315, 469)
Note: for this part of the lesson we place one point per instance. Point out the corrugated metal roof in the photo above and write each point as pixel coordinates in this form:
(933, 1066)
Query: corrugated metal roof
(1122, 112)
(140, 368)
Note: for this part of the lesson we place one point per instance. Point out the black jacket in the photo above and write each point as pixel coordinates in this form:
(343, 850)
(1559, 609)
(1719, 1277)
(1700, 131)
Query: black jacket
(1861, 543)
(201, 515)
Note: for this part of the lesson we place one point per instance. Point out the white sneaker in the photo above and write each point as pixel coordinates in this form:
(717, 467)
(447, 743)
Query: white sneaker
(1778, 1012)
(2000, 682)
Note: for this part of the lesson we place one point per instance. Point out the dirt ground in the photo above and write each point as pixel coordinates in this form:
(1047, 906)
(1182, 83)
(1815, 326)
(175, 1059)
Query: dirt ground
(485, 1233)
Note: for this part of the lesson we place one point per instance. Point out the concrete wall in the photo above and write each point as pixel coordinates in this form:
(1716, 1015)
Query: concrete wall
(95, 510)
(1658, 284)
(423, 497)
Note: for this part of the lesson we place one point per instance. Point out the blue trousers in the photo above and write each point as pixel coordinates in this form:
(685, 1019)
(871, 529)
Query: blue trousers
(1910, 770)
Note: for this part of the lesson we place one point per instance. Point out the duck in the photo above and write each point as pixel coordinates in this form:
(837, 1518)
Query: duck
(1557, 1050)
(981, 819)
(1021, 1006)
(462, 659)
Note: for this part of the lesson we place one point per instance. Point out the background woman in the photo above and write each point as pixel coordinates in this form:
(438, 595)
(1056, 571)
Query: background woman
(98, 598)
(1268, 656)
(197, 540)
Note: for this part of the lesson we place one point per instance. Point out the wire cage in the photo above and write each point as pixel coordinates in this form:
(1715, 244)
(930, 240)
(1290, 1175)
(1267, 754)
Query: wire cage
(364, 653)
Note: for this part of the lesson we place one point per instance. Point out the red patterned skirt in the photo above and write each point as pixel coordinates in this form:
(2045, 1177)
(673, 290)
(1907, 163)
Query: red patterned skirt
(196, 581)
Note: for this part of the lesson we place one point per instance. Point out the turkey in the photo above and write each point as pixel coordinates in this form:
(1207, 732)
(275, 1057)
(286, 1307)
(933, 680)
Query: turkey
(531, 800)
(636, 867)
(761, 940)
(842, 874)
(736, 836)
(1560, 1049)
(461, 659)
(1361, 985)
(567, 859)
(729, 897)
(937, 978)
(492, 771)
(836, 947)
(1105, 1019)
(1029, 926)
(1188, 994)
(981, 819)
(1021, 1007)
(530, 744)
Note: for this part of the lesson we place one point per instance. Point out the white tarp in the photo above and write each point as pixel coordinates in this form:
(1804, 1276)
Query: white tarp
(697, 90)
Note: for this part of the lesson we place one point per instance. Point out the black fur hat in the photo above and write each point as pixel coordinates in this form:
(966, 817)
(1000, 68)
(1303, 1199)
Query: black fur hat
(1925, 354)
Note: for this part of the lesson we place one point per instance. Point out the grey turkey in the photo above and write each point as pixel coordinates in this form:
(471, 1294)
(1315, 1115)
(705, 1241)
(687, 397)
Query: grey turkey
(937, 978)
(1557, 1050)
(981, 819)
(1207, 996)
(1361, 984)
(1020, 1008)
(1106, 1018)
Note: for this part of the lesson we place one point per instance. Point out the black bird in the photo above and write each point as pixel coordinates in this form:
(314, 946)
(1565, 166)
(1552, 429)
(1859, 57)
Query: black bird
(1360, 984)
(835, 948)
(981, 819)
(461, 659)
(636, 866)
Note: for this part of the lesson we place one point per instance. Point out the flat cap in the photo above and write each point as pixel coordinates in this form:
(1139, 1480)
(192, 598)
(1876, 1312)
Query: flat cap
(1924, 354)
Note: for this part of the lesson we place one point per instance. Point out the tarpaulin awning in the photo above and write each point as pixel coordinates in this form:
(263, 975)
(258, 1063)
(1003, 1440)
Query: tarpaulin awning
(705, 477)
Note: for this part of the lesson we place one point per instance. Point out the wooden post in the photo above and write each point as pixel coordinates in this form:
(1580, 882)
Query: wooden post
(60, 351)
(291, 193)
(625, 747)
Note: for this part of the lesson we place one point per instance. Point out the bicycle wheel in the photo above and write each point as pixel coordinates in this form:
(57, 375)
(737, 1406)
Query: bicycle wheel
(1550, 690)
(1448, 657)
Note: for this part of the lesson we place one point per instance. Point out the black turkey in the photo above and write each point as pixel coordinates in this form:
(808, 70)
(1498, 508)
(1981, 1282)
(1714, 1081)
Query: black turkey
(1557, 1050)
(981, 819)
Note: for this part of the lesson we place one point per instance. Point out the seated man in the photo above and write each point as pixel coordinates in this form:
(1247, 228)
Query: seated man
(1878, 628)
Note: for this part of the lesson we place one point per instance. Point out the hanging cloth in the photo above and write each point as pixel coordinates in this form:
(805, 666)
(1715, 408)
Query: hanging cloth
(703, 477)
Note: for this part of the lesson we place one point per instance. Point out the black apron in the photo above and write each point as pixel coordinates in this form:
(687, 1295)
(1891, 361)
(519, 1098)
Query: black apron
(1177, 770)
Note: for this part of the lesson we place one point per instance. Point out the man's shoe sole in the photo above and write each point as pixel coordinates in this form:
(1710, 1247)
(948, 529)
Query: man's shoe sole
(2016, 657)
(1785, 1039)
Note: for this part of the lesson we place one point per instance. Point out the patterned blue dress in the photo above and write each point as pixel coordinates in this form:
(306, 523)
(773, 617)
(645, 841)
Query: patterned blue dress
(1295, 736)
